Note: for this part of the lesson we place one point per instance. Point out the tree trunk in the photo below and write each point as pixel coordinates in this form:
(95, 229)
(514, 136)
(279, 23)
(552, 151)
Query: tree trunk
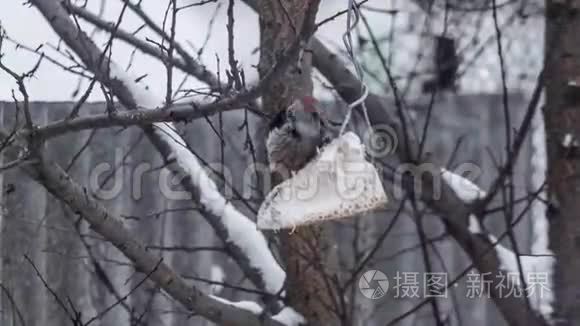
(562, 113)
(310, 289)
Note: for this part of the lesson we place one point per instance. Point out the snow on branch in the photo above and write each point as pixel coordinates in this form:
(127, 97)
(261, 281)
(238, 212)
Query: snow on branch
(243, 242)
(463, 187)
(537, 271)
(474, 225)
(287, 316)
(240, 229)
(540, 265)
(250, 306)
(348, 87)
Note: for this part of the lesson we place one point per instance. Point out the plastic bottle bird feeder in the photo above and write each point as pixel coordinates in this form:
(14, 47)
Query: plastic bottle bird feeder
(338, 183)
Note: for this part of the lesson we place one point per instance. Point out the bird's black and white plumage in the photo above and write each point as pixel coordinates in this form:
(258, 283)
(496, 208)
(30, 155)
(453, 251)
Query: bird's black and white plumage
(296, 134)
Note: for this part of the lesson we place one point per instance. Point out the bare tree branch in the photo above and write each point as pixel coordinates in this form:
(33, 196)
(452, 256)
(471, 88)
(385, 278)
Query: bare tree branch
(250, 251)
(63, 187)
(185, 63)
(453, 211)
(176, 113)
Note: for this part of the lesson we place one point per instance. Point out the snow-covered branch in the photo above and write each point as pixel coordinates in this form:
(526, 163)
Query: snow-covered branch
(64, 188)
(286, 316)
(243, 242)
(466, 190)
(241, 231)
(535, 269)
(453, 205)
(538, 265)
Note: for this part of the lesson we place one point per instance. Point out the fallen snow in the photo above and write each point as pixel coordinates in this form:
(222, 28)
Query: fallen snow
(463, 187)
(241, 230)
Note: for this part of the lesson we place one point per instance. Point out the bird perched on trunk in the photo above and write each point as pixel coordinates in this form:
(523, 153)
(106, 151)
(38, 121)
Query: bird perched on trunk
(296, 134)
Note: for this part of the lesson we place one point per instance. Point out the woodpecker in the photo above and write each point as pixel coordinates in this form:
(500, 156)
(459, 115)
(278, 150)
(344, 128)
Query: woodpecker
(296, 135)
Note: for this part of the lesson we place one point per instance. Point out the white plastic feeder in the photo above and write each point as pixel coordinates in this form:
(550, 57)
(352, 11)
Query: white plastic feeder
(338, 183)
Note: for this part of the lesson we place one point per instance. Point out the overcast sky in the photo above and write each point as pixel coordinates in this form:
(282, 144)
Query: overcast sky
(25, 24)
(523, 44)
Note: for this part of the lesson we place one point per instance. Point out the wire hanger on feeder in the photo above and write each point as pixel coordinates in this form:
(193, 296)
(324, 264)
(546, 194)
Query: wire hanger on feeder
(339, 182)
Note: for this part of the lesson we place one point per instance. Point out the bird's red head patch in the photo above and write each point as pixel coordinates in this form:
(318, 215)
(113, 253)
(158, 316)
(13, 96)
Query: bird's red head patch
(310, 104)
